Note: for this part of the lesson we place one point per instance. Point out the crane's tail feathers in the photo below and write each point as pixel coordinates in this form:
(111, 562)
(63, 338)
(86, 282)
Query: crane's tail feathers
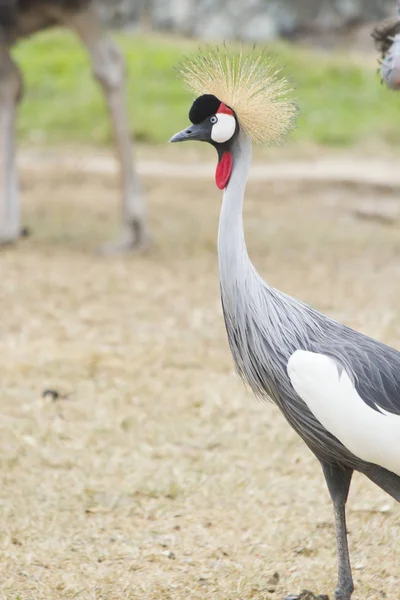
(386, 480)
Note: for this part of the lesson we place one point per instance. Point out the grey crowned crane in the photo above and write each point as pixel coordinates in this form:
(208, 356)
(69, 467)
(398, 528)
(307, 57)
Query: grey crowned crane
(387, 41)
(337, 388)
(21, 18)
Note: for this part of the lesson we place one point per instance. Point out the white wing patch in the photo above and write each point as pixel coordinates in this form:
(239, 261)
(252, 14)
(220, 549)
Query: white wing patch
(334, 401)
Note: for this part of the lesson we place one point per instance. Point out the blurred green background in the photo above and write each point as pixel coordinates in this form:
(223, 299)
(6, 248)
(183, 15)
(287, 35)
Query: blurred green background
(341, 100)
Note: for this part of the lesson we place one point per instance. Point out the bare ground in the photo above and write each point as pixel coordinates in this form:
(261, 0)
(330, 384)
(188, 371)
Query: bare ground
(159, 476)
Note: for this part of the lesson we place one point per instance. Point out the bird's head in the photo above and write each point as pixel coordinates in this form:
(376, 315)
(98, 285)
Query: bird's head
(215, 123)
(236, 90)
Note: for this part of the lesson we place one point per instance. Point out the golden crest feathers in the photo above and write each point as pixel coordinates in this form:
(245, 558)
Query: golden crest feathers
(249, 83)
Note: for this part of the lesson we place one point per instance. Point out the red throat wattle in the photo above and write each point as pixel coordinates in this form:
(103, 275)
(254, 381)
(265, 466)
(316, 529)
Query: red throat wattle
(224, 170)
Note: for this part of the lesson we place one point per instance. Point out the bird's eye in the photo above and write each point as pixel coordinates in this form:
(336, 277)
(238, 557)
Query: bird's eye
(213, 119)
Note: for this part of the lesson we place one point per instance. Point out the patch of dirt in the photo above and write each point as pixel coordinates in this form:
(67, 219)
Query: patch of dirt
(334, 168)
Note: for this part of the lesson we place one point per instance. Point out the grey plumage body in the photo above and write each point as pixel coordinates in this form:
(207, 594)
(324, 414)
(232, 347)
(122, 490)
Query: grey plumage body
(265, 327)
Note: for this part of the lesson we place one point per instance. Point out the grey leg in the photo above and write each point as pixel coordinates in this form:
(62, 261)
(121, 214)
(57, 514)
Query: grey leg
(10, 92)
(338, 482)
(109, 69)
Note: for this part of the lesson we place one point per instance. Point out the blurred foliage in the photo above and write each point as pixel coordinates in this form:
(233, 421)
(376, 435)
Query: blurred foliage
(341, 99)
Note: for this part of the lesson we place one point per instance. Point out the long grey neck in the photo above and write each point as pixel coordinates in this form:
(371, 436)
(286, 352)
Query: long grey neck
(235, 267)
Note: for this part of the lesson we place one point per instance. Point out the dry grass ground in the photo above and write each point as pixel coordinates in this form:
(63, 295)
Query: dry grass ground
(159, 476)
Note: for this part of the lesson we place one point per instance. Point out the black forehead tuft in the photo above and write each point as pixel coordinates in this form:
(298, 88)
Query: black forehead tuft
(203, 107)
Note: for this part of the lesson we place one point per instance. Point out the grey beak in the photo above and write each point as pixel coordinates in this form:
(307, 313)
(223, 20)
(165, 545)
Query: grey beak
(200, 132)
(181, 136)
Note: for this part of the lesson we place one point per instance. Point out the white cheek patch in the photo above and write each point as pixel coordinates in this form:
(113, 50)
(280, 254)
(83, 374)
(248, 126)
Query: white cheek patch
(224, 128)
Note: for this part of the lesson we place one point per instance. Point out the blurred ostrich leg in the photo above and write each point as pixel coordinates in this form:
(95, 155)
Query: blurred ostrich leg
(10, 93)
(109, 70)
